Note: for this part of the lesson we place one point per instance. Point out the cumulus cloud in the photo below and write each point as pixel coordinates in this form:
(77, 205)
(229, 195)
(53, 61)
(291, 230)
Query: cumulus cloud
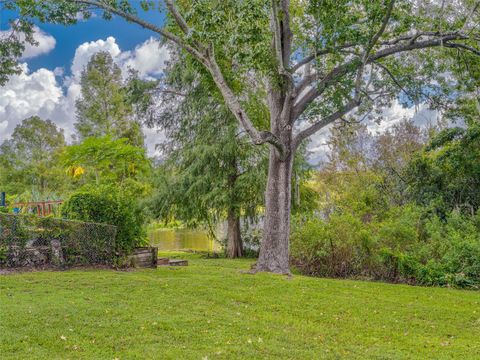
(85, 51)
(45, 43)
(149, 59)
(28, 94)
(50, 95)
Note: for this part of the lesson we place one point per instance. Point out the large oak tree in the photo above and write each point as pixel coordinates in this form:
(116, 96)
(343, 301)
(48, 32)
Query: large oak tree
(316, 61)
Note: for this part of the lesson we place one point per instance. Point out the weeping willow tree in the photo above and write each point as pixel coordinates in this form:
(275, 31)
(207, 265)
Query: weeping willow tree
(212, 172)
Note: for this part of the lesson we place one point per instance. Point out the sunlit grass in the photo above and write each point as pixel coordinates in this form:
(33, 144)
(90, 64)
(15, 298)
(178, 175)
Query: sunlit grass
(212, 310)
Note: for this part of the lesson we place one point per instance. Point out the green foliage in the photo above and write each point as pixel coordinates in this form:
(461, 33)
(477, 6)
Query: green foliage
(110, 106)
(109, 205)
(446, 175)
(29, 159)
(211, 168)
(105, 159)
(402, 247)
(367, 225)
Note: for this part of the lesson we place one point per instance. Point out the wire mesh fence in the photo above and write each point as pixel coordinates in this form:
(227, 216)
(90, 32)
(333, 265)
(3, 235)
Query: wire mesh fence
(27, 240)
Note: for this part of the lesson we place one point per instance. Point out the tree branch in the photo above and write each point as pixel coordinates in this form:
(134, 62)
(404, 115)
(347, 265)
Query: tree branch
(146, 25)
(370, 46)
(208, 60)
(258, 137)
(282, 33)
(352, 65)
(394, 79)
(302, 103)
(182, 24)
(382, 29)
(302, 135)
(375, 38)
(277, 38)
(318, 53)
(282, 42)
(462, 46)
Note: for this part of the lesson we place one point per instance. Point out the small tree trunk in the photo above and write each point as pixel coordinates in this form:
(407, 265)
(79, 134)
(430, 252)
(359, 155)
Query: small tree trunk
(234, 237)
(274, 250)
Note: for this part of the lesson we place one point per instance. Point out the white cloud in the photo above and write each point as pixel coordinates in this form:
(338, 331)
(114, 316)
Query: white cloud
(28, 94)
(45, 43)
(85, 51)
(3, 126)
(149, 58)
(49, 95)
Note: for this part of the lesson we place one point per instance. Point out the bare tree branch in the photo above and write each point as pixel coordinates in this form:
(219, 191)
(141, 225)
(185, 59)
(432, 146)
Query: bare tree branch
(462, 46)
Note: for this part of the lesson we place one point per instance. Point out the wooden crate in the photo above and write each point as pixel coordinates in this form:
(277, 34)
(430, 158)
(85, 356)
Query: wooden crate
(145, 257)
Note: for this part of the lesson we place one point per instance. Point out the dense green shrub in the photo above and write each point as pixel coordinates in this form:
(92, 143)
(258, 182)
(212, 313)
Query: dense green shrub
(110, 205)
(445, 175)
(405, 245)
(337, 247)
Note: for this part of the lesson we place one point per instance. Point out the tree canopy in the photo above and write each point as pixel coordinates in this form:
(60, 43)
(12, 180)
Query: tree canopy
(315, 62)
(105, 107)
(28, 159)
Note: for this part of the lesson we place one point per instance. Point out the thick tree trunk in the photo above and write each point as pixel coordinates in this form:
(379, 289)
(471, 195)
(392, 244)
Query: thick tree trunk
(274, 250)
(234, 237)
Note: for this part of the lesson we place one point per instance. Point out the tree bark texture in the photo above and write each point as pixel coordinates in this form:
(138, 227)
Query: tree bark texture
(274, 250)
(234, 237)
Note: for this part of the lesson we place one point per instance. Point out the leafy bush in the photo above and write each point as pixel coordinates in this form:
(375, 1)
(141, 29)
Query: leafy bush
(338, 247)
(251, 237)
(404, 246)
(109, 205)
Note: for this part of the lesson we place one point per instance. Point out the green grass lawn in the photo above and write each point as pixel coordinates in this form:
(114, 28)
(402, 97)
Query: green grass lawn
(210, 310)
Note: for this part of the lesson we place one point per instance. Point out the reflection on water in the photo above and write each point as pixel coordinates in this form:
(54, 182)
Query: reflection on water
(182, 239)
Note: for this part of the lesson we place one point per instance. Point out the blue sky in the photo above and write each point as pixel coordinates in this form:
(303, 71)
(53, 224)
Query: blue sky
(68, 38)
(49, 83)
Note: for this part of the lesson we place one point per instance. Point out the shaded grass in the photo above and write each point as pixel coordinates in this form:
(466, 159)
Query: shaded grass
(211, 310)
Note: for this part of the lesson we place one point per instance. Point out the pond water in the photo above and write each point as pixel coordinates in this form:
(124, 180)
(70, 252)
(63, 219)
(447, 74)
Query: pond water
(182, 239)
